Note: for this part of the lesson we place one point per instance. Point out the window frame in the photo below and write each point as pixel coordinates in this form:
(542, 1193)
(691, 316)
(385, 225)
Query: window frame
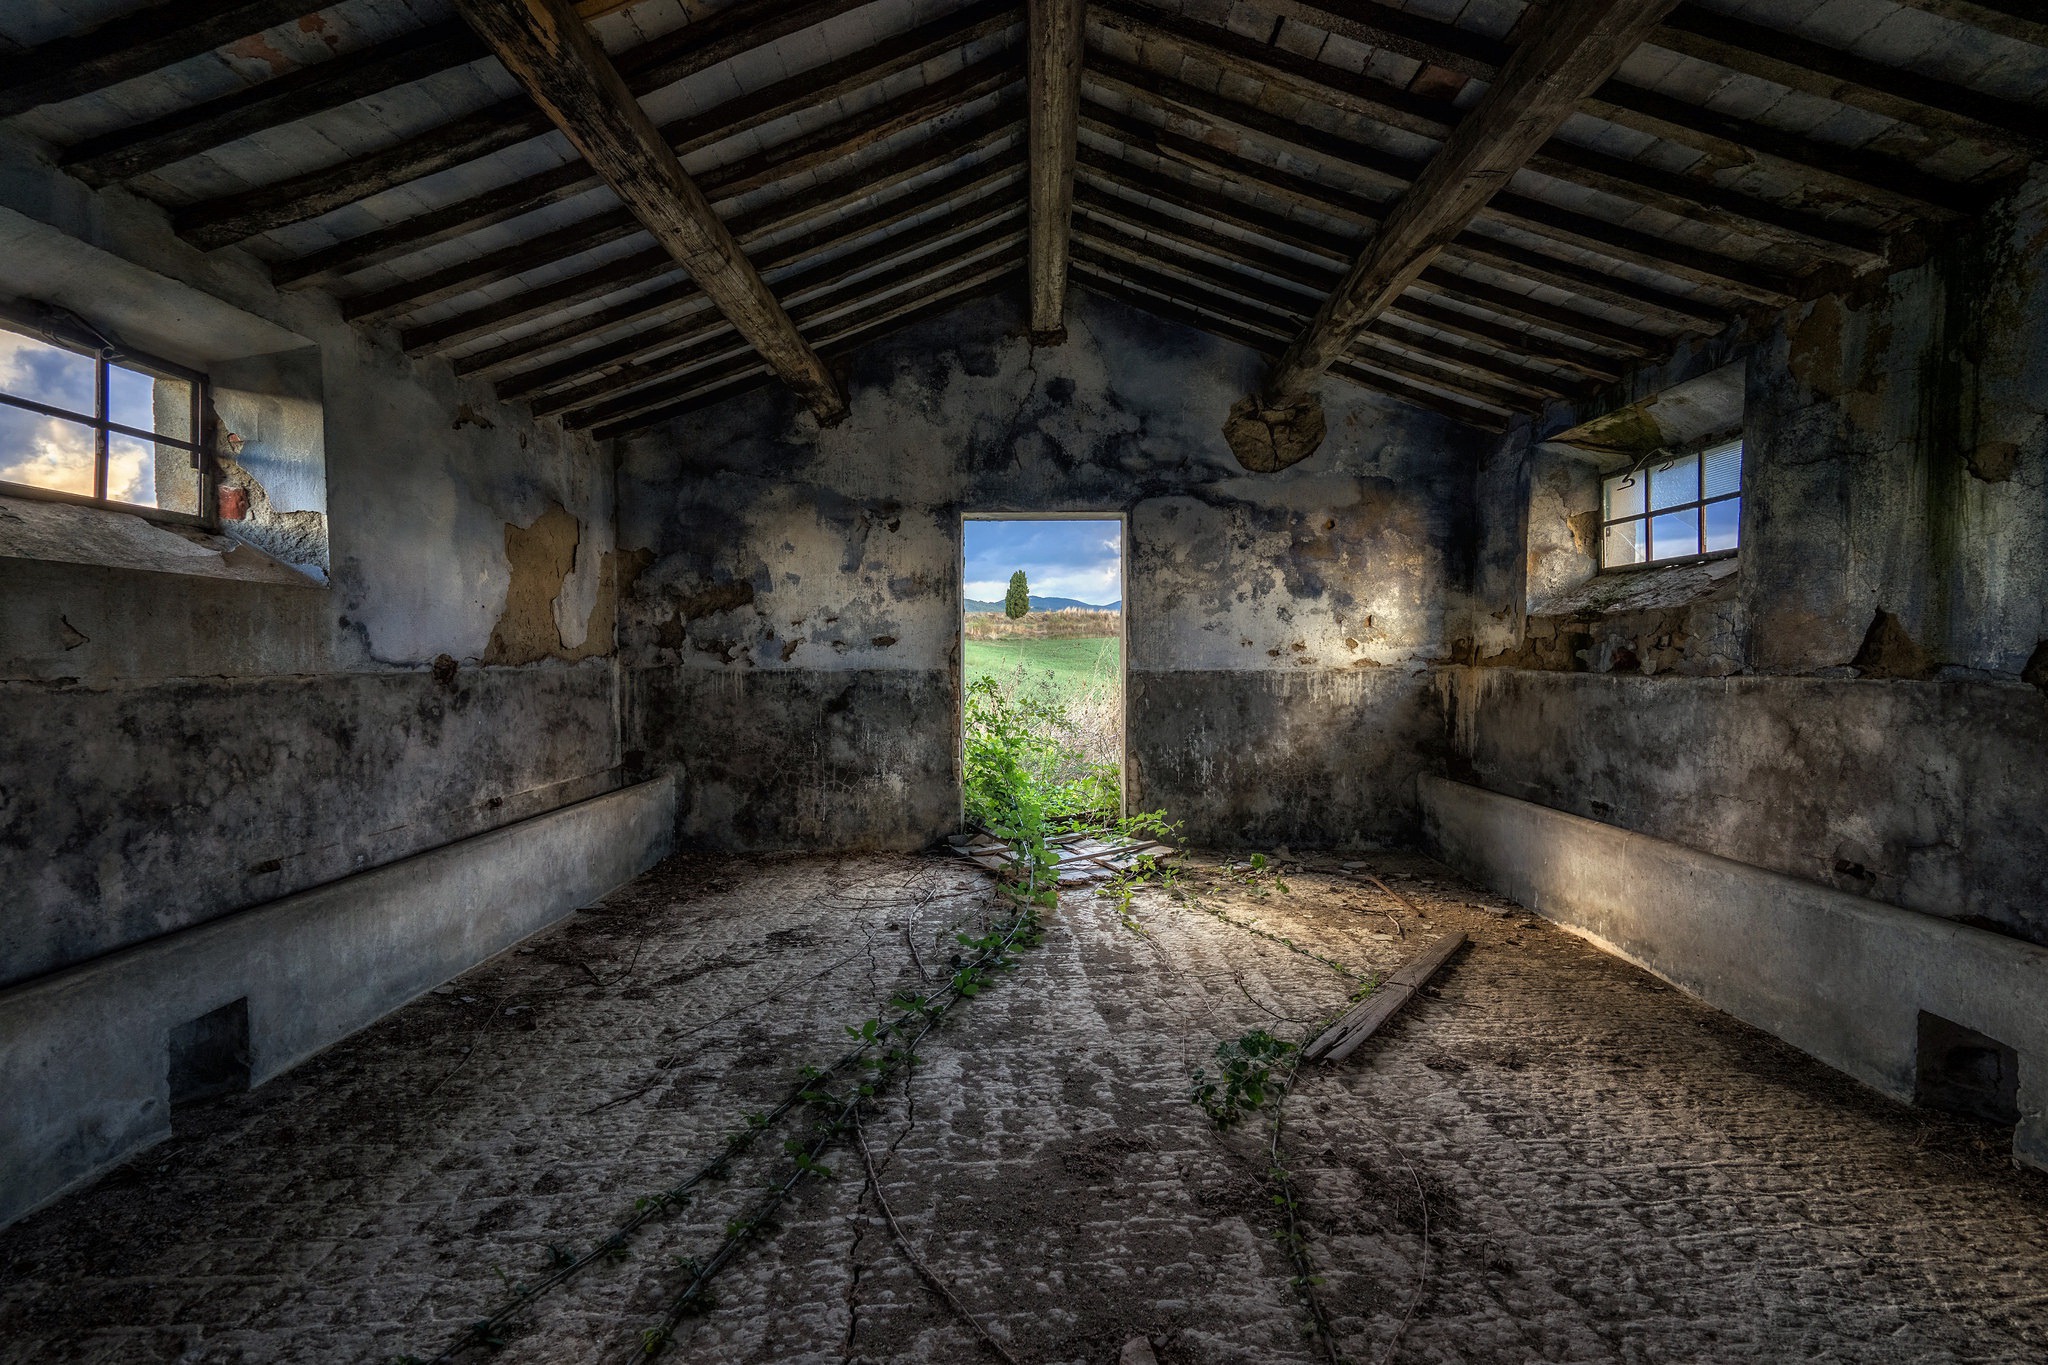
(1693, 449)
(26, 323)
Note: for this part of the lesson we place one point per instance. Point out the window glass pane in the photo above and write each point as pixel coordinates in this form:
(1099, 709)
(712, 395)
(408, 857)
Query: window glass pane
(149, 403)
(1724, 524)
(45, 452)
(1624, 496)
(1675, 534)
(1675, 483)
(1623, 544)
(1723, 470)
(48, 374)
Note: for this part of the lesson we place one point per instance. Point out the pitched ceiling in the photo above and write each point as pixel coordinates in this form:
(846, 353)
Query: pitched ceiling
(870, 159)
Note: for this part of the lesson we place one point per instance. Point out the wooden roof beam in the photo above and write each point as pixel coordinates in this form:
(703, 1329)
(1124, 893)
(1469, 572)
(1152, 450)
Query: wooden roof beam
(805, 90)
(1162, 297)
(1593, 329)
(818, 149)
(695, 47)
(873, 324)
(506, 354)
(1887, 179)
(1816, 69)
(1684, 195)
(1052, 66)
(1577, 46)
(549, 52)
(903, 292)
(2021, 20)
(132, 45)
(650, 353)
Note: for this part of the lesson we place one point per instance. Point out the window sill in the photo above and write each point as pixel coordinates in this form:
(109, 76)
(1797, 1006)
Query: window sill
(69, 533)
(1650, 587)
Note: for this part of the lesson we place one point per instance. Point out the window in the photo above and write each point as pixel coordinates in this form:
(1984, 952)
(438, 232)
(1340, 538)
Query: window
(1686, 507)
(84, 420)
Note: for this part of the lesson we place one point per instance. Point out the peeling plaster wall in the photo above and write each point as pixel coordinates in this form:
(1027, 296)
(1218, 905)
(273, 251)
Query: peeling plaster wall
(179, 747)
(1861, 701)
(791, 645)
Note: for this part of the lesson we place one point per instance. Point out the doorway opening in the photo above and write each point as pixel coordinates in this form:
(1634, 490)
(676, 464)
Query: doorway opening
(1042, 657)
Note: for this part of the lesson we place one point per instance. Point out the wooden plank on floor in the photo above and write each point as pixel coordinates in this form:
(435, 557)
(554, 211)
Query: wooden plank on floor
(1342, 1038)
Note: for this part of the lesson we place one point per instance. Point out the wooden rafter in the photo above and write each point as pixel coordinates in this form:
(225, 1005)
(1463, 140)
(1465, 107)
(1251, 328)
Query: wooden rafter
(1687, 196)
(819, 149)
(651, 353)
(873, 324)
(855, 183)
(1753, 280)
(1053, 94)
(133, 45)
(2022, 20)
(695, 47)
(507, 355)
(136, 150)
(549, 52)
(1886, 179)
(1577, 46)
(1831, 73)
(729, 118)
(892, 300)
(1224, 317)
(1659, 309)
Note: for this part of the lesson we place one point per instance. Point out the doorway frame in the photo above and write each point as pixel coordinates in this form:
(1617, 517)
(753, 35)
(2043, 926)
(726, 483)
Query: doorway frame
(1122, 519)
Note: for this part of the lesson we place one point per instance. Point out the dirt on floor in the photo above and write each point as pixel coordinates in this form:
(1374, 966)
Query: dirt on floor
(1548, 1156)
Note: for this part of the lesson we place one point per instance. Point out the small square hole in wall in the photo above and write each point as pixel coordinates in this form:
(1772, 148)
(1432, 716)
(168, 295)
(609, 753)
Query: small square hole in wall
(209, 1056)
(1966, 1072)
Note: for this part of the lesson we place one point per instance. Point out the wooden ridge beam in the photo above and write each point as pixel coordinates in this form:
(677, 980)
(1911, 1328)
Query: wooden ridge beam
(803, 153)
(930, 305)
(1593, 329)
(1889, 180)
(882, 300)
(498, 358)
(1753, 280)
(134, 44)
(1052, 66)
(730, 118)
(1683, 195)
(547, 49)
(650, 354)
(1269, 339)
(1577, 47)
(1816, 69)
(218, 222)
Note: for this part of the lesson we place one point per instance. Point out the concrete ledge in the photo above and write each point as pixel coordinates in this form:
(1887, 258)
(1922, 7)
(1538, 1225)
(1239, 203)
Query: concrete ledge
(1835, 975)
(85, 1067)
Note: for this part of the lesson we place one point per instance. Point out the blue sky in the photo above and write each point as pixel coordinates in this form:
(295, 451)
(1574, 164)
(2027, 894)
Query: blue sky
(1078, 559)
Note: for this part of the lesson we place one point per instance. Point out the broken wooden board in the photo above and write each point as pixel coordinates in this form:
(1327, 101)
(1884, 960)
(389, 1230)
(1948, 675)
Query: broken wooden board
(1338, 1041)
(1082, 858)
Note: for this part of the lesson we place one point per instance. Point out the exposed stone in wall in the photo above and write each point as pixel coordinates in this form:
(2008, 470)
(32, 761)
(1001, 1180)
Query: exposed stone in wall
(543, 555)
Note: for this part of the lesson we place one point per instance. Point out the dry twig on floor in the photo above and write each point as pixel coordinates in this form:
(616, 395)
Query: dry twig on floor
(917, 1262)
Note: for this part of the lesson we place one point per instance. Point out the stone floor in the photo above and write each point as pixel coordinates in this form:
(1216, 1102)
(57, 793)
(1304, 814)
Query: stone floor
(1550, 1156)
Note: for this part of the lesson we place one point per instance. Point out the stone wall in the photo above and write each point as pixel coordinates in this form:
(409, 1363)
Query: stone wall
(791, 644)
(1860, 702)
(183, 744)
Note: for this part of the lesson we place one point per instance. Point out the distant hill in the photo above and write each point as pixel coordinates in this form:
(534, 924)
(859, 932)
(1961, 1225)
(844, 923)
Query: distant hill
(1048, 604)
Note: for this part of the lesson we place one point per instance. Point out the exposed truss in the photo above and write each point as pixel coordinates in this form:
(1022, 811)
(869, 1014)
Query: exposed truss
(867, 161)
